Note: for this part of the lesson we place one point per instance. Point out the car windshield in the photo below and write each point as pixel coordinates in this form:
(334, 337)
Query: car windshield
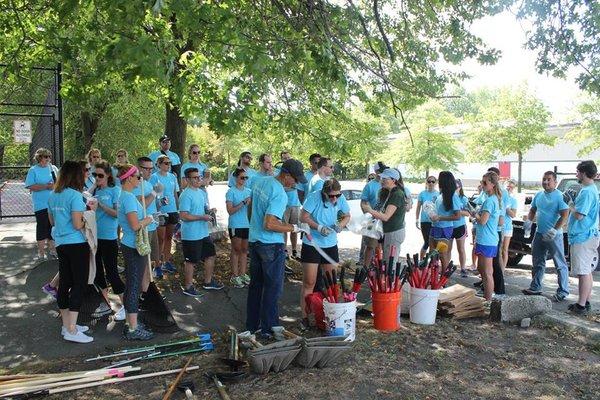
(571, 183)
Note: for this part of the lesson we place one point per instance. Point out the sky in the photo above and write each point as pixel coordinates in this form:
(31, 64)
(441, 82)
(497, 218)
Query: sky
(517, 66)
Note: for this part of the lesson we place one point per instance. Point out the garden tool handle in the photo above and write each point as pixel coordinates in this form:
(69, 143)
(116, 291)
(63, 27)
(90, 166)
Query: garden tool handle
(221, 388)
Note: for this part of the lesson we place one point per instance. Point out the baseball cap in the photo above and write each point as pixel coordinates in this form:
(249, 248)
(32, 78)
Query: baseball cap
(390, 173)
(164, 138)
(294, 168)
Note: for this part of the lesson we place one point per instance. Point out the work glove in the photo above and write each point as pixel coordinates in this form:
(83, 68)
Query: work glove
(301, 227)
(550, 235)
(156, 217)
(323, 230)
(337, 228)
(158, 188)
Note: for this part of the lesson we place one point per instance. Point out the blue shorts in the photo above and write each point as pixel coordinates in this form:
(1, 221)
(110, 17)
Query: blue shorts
(438, 233)
(486, 251)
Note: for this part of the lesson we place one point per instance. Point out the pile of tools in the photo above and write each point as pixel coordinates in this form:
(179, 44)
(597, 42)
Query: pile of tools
(386, 277)
(330, 288)
(428, 272)
(461, 302)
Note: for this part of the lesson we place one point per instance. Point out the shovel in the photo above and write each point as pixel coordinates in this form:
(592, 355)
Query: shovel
(233, 361)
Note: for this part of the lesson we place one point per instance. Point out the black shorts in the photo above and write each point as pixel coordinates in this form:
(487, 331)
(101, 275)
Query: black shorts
(195, 251)
(42, 225)
(426, 232)
(459, 232)
(310, 255)
(172, 218)
(240, 233)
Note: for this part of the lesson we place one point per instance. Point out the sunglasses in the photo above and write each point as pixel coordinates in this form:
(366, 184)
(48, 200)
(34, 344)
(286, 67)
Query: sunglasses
(166, 163)
(196, 178)
(430, 181)
(139, 177)
(88, 169)
(243, 178)
(121, 155)
(146, 168)
(45, 156)
(195, 152)
(335, 196)
(95, 175)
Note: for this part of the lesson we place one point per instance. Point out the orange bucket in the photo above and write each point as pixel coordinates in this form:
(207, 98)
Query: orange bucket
(386, 311)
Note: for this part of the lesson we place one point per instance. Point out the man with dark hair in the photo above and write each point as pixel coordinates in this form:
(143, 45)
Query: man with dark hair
(265, 164)
(552, 212)
(369, 196)
(324, 172)
(292, 210)
(165, 149)
(313, 159)
(583, 235)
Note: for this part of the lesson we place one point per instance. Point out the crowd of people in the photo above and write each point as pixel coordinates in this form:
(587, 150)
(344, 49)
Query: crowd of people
(88, 211)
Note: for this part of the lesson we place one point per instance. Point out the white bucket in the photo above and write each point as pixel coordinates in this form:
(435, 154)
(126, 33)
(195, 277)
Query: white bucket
(423, 306)
(405, 304)
(340, 319)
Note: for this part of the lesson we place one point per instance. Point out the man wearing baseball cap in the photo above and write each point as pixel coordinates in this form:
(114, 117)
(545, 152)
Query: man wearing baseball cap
(165, 148)
(369, 196)
(267, 248)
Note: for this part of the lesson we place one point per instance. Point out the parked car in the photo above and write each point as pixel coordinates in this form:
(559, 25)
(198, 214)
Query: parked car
(519, 244)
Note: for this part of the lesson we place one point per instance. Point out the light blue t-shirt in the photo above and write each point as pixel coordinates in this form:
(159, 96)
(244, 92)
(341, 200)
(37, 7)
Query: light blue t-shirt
(239, 219)
(60, 206)
(201, 167)
(254, 178)
(193, 201)
(150, 208)
(424, 196)
(250, 172)
(548, 207)
(326, 214)
(586, 203)
(315, 184)
(370, 193)
(292, 193)
(38, 175)
(115, 174)
(89, 182)
(106, 225)
(487, 234)
(172, 156)
(304, 187)
(169, 181)
(127, 204)
(511, 202)
(463, 206)
(442, 212)
(268, 197)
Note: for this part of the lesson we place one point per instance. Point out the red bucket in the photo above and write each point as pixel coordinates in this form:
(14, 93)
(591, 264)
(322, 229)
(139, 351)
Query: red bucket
(386, 311)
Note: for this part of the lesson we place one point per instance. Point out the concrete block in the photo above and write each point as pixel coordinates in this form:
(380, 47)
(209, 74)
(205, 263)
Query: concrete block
(516, 308)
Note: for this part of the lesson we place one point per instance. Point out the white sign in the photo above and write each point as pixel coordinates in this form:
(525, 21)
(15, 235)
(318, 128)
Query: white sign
(22, 130)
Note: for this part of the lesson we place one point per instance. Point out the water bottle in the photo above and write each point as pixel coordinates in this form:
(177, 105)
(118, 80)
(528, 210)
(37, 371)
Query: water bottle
(527, 229)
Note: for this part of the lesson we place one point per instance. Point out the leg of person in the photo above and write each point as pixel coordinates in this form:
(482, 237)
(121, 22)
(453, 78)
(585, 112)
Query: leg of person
(557, 251)
(66, 281)
(41, 227)
(309, 278)
(208, 255)
(79, 256)
(236, 248)
(273, 261)
(462, 254)
(255, 290)
(169, 229)
(243, 258)
(361, 252)
(425, 232)
(393, 239)
(486, 275)
(498, 274)
(505, 245)
(188, 274)
(154, 260)
(538, 269)
(100, 278)
(160, 231)
(134, 270)
(473, 255)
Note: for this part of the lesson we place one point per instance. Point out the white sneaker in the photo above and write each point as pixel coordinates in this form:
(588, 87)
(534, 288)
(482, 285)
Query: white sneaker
(120, 315)
(80, 328)
(78, 337)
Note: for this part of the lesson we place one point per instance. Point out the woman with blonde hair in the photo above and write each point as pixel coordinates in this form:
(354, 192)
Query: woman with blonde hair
(194, 162)
(511, 212)
(121, 158)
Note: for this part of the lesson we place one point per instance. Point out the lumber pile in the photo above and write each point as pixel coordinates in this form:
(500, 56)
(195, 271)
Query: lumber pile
(460, 302)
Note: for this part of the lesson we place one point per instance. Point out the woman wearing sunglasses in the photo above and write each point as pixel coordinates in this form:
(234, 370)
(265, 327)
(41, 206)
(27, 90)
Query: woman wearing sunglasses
(237, 200)
(423, 221)
(131, 219)
(447, 210)
(168, 203)
(107, 195)
(326, 212)
(194, 162)
(392, 203)
(121, 159)
(40, 181)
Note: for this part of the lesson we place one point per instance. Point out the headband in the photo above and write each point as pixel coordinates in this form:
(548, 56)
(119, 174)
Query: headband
(127, 174)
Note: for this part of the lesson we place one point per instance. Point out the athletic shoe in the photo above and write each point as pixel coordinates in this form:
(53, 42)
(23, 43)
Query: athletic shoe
(120, 315)
(102, 309)
(158, 272)
(78, 337)
(588, 306)
(288, 270)
(480, 292)
(237, 282)
(576, 309)
(262, 335)
(169, 268)
(120, 269)
(529, 292)
(558, 297)
(463, 273)
(245, 279)
(213, 285)
(138, 334)
(192, 292)
(50, 290)
(80, 328)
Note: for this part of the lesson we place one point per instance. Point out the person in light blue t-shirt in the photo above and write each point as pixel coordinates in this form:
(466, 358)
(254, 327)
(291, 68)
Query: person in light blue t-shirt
(237, 200)
(165, 150)
(313, 161)
(244, 162)
(121, 157)
(459, 232)
(107, 195)
(447, 210)
(65, 211)
(194, 162)
(324, 172)
(267, 256)
(583, 235)
(40, 181)
(510, 208)
(326, 212)
(292, 210)
(430, 194)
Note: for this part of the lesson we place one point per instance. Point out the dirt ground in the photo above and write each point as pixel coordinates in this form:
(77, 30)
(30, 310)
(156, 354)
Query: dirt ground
(467, 359)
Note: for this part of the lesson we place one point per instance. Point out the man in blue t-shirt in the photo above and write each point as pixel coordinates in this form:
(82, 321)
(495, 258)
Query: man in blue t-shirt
(165, 146)
(267, 256)
(551, 212)
(583, 235)
(292, 210)
(313, 160)
(370, 196)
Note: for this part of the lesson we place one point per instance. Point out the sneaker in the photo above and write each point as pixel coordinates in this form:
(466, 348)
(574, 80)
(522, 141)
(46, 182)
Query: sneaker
(120, 315)
(463, 273)
(120, 269)
(138, 334)
(169, 268)
(480, 292)
(263, 335)
(102, 309)
(295, 255)
(192, 292)
(245, 279)
(213, 285)
(558, 297)
(588, 306)
(576, 309)
(158, 272)
(50, 290)
(78, 337)
(530, 292)
(288, 270)
(237, 282)
(478, 284)
(80, 328)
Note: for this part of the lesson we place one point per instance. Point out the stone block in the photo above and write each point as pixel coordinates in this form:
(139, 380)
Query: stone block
(516, 308)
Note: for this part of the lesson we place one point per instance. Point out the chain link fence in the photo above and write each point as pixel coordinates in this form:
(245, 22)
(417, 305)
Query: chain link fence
(15, 199)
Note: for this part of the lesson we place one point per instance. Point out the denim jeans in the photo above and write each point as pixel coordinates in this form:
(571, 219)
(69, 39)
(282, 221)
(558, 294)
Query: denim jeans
(135, 264)
(267, 263)
(540, 249)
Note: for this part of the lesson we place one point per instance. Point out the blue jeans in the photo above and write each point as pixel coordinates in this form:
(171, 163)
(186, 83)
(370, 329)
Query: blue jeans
(267, 263)
(540, 249)
(135, 265)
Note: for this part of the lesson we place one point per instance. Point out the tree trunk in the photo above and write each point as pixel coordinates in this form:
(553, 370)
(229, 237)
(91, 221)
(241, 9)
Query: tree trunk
(520, 160)
(175, 128)
(89, 126)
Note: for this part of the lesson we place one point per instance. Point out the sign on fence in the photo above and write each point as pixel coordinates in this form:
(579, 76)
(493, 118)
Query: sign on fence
(22, 130)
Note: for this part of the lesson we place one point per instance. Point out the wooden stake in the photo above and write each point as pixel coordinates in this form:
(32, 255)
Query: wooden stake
(176, 381)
